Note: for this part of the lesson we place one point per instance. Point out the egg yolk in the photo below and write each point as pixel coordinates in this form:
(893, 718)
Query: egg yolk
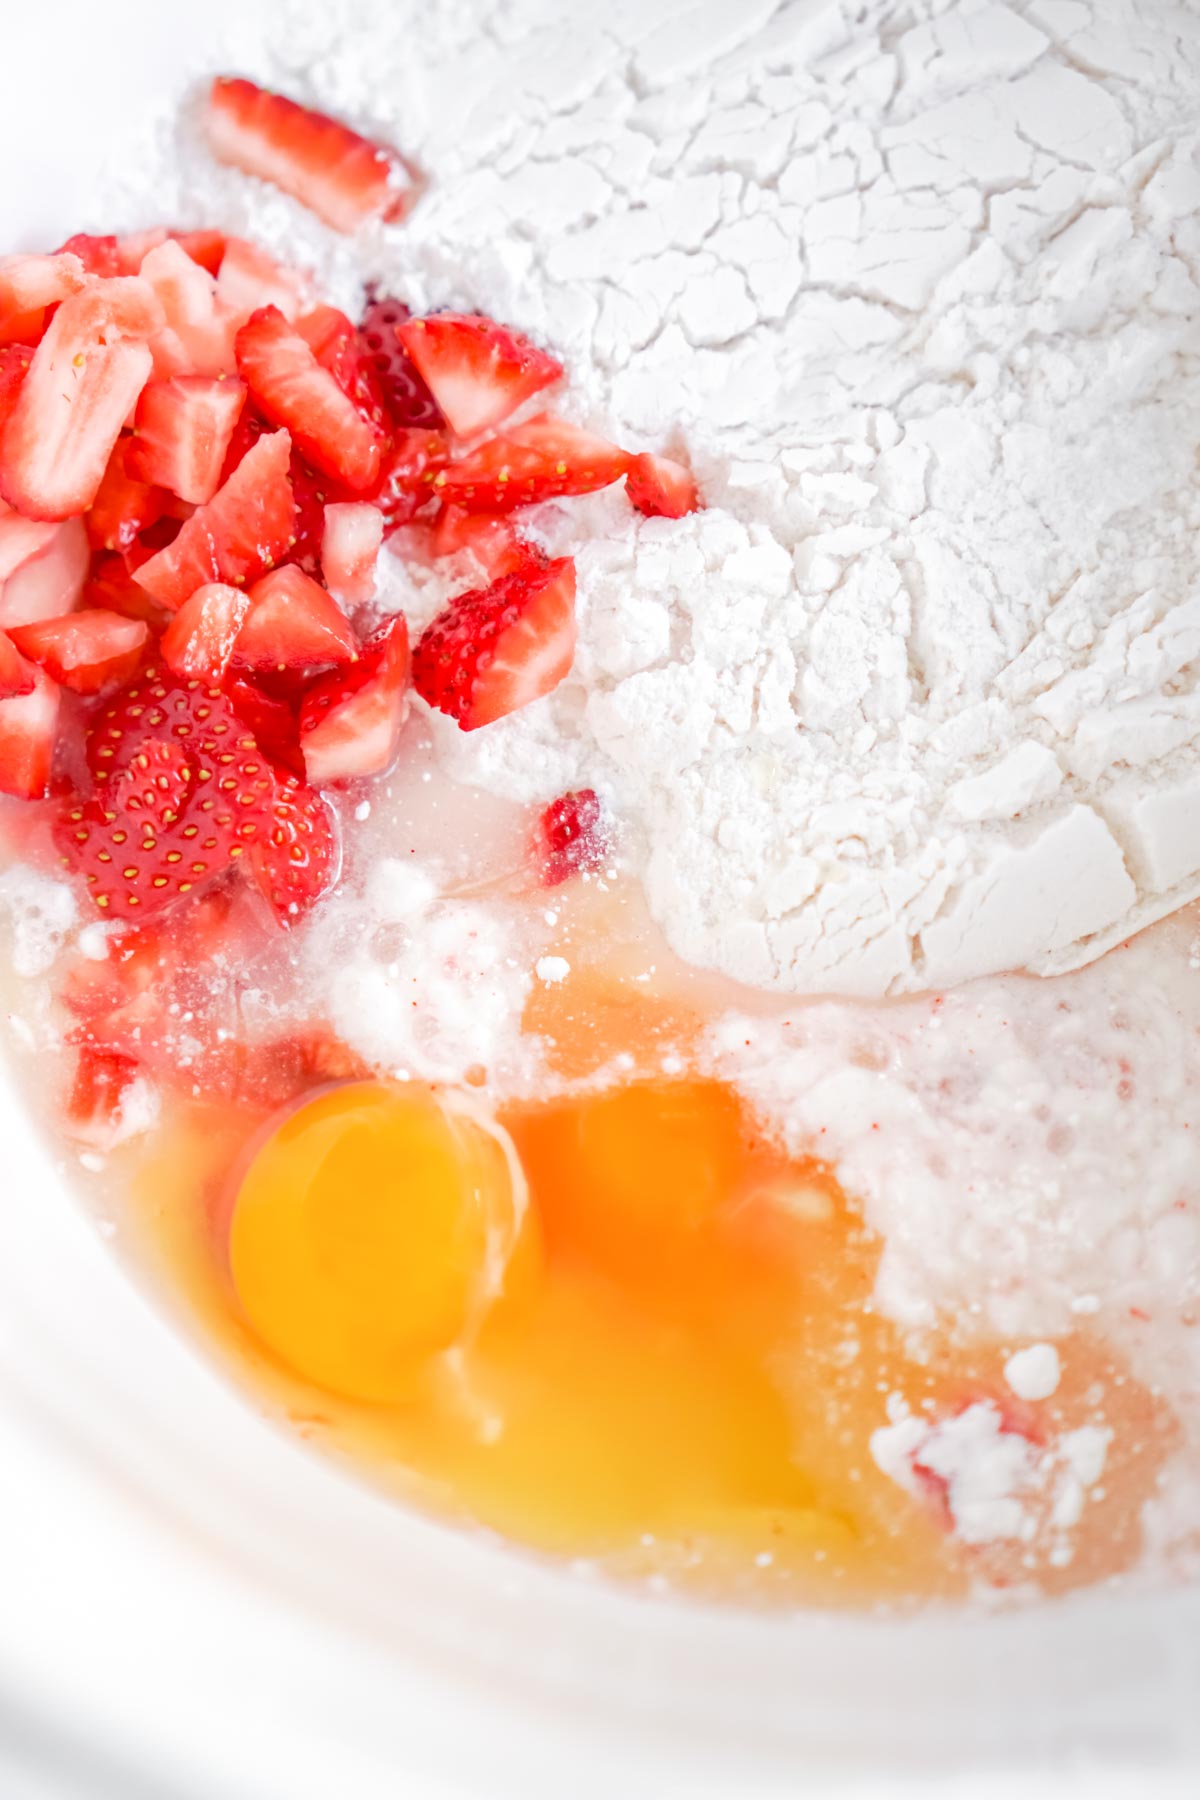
(369, 1229)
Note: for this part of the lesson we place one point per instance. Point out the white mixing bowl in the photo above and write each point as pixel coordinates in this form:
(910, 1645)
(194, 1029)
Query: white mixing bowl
(192, 1606)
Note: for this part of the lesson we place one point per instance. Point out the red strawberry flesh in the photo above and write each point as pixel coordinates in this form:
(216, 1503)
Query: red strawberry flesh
(498, 648)
(478, 372)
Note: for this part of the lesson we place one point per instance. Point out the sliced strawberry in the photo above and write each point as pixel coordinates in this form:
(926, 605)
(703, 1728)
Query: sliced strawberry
(16, 675)
(661, 488)
(572, 835)
(197, 337)
(350, 723)
(99, 255)
(498, 648)
(290, 387)
(350, 540)
(409, 403)
(541, 460)
(20, 539)
(293, 624)
(103, 1081)
(85, 376)
(340, 176)
(410, 473)
(492, 540)
(112, 588)
(244, 529)
(270, 719)
(297, 857)
(249, 279)
(182, 433)
(28, 728)
(477, 371)
(28, 284)
(50, 583)
(85, 651)
(199, 640)
(124, 505)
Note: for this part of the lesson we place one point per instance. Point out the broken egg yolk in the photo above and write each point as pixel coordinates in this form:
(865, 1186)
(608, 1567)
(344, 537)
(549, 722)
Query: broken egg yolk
(368, 1231)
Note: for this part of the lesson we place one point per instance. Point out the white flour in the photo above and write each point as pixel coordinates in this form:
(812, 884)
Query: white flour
(915, 700)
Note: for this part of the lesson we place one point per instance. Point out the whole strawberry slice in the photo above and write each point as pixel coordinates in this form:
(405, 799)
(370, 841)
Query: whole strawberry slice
(292, 388)
(498, 648)
(405, 394)
(542, 460)
(342, 177)
(477, 371)
(243, 530)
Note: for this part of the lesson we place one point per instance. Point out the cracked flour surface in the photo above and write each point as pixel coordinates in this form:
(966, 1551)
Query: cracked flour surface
(916, 285)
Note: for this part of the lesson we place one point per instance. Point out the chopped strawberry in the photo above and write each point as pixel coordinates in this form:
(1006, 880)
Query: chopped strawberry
(324, 329)
(297, 857)
(197, 337)
(410, 473)
(477, 371)
(200, 638)
(20, 539)
(269, 718)
(350, 540)
(111, 587)
(28, 284)
(103, 1080)
(50, 583)
(572, 835)
(409, 403)
(85, 651)
(15, 360)
(350, 723)
(336, 345)
(541, 460)
(16, 675)
(124, 504)
(99, 255)
(293, 624)
(28, 728)
(204, 247)
(243, 530)
(249, 279)
(492, 540)
(340, 176)
(661, 488)
(498, 648)
(85, 376)
(290, 387)
(182, 433)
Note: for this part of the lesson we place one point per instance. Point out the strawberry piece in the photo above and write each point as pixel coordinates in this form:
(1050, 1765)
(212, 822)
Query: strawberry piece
(661, 488)
(20, 539)
(293, 624)
(85, 376)
(199, 640)
(243, 529)
(408, 400)
(124, 506)
(410, 473)
(103, 1081)
(204, 247)
(249, 279)
(498, 648)
(85, 651)
(112, 588)
(350, 723)
(28, 284)
(292, 389)
(572, 835)
(477, 371)
(16, 675)
(50, 583)
(28, 729)
(325, 329)
(350, 540)
(541, 460)
(14, 366)
(297, 858)
(493, 541)
(271, 720)
(99, 255)
(197, 337)
(182, 433)
(336, 345)
(340, 176)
